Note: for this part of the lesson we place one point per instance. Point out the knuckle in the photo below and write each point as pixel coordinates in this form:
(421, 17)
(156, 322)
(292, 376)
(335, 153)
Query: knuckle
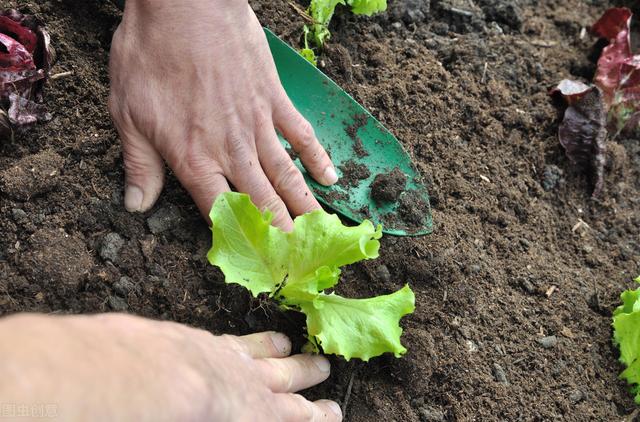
(232, 343)
(307, 137)
(134, 162)
(273, 203)
(289, 177)
(284, 378)
(237, 145)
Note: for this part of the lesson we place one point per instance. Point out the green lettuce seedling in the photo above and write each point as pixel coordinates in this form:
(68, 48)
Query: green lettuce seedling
(296, 268)
(626, 335)
(321, 12)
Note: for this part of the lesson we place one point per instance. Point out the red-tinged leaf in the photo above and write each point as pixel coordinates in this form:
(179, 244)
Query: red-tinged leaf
(22, 34)
(612, 23)
(614, 26)
(26, 57)
(583, 133)
(570, 90)
(14, 57)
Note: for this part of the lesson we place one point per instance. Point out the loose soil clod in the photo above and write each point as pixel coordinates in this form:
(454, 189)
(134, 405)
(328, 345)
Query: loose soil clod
(389, 186)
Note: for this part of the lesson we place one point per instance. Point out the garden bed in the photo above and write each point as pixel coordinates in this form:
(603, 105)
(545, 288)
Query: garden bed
(515, 287)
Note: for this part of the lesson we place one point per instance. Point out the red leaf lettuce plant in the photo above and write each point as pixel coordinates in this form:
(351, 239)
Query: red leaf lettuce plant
(26, 57)
(608, 107)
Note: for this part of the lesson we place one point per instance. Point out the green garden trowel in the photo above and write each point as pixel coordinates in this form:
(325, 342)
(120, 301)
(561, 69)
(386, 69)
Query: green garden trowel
(354, 139)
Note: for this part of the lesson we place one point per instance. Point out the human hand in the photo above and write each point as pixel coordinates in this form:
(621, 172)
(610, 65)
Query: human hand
(194, 82)
(126, 368)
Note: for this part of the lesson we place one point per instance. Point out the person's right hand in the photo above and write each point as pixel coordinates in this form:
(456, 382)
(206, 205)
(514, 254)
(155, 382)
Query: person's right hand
(193, 82)
(118, 367)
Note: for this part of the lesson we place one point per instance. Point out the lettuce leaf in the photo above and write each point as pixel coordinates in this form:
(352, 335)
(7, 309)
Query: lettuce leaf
(296, 267)
(626, 335)
(247, 249)
(367, 7)
(361, 328)
(321, 12)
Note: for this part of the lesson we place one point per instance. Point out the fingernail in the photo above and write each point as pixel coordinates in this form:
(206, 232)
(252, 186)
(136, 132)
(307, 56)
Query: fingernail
(322, 363)
(281, 343)
(335, 408)
(330, 176)
(133, 197)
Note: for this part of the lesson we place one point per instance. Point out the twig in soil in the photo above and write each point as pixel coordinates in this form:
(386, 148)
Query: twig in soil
(347, 395)
(301, 12)
(61, 75)
(220, 305)
(579, 224)
(550, 291)
(484, 73)
(543, 43)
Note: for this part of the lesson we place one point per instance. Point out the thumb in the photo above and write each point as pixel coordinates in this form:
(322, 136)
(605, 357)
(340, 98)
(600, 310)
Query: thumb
(144, 173)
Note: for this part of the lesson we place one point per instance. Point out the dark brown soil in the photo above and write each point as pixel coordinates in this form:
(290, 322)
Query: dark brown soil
(412, 210)
(353, 173)
(388, 186)
(510, 262)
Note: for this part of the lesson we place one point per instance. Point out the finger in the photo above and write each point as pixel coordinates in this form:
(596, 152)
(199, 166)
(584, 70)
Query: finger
(253, 181)
(143, 170)
(299, 133)
(203, 180)
(265, 345)
(294, 408)
(294, 373)
(284, 175)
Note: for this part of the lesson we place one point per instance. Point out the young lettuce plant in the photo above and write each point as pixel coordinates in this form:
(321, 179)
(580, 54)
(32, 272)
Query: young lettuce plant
(626, 335)
(321, 12)
(296, 269)
(608, 107)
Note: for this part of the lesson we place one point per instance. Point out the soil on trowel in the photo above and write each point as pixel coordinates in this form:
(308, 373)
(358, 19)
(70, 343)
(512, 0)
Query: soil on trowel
(387, 187)
(352, 173)
(359, 120)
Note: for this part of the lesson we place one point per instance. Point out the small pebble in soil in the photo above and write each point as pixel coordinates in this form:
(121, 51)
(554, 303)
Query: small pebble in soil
(430, 414)
(576, 396)
(18, 214)
(124, 285)
(528, 286)
(164, 219)
(117, 304)
(499, 374)
(382, 273)
(409, 11)
(111, 245)
(551, 177)
(548, 342)
(475, 268)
